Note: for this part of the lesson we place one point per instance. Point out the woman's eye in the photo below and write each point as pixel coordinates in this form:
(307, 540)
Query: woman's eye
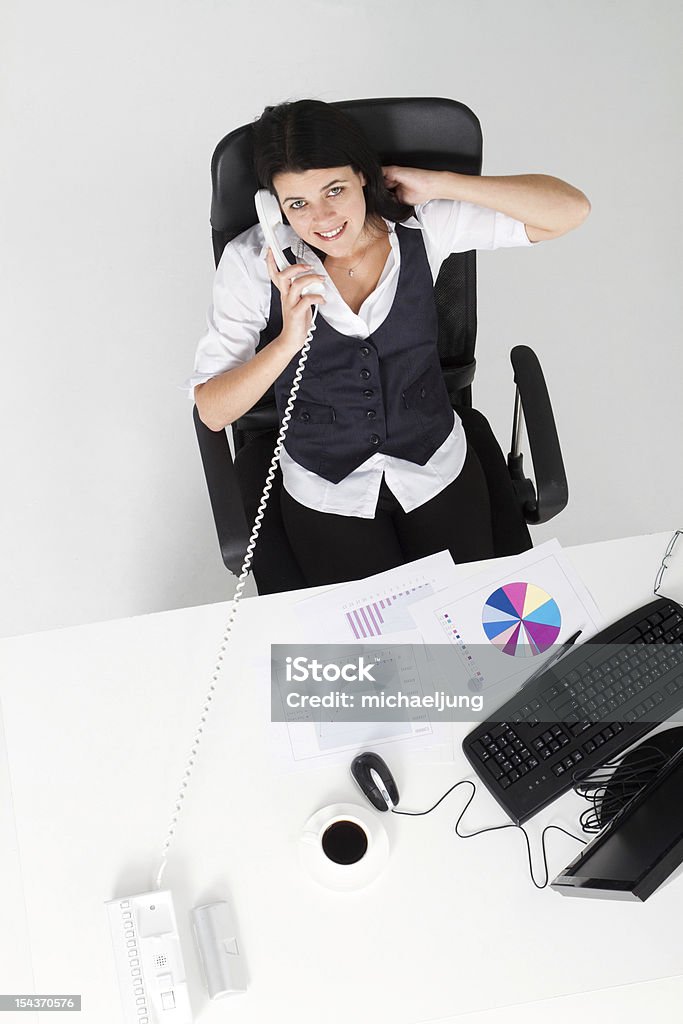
(298, 204)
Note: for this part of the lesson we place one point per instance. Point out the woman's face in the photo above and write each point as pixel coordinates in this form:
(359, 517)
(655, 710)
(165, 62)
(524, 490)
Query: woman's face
(325, 207)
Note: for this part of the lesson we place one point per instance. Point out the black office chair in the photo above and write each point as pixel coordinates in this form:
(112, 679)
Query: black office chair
(438, 134)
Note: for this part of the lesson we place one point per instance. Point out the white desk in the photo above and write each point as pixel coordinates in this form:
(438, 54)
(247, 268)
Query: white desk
(98, 722)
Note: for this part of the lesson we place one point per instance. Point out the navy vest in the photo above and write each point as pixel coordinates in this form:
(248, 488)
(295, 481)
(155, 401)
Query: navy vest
(384, 393)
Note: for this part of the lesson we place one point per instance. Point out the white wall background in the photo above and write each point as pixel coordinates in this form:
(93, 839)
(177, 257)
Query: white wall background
(110, 113)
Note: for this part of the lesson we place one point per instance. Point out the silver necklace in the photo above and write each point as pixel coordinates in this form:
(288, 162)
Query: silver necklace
(351, 270)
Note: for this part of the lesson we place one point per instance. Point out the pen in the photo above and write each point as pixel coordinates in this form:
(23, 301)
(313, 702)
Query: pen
(553, 659)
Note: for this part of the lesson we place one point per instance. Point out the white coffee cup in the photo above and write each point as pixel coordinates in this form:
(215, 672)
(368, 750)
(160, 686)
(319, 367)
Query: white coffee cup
(344, 846)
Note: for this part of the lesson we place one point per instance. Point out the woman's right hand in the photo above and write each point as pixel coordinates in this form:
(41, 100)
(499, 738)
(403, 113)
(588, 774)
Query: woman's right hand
(296, 308)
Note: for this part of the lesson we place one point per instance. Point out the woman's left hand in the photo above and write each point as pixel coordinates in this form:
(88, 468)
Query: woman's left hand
(411, 185)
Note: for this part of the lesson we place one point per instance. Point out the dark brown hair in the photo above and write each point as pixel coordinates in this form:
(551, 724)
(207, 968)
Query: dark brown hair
(309, 134)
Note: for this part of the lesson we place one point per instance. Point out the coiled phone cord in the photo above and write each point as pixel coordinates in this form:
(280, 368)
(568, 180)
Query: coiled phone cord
(242, 579)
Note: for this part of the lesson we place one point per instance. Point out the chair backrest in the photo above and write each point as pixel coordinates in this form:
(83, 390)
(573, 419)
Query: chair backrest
(437, 134)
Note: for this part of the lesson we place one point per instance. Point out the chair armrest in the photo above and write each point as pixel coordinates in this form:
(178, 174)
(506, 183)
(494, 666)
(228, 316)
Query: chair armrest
(224, 494)
(551, 493)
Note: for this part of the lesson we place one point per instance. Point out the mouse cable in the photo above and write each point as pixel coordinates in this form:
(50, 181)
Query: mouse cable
(495, 828)
(242, 579)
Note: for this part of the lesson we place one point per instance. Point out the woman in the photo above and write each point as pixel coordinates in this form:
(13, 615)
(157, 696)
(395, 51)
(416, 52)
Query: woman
(376, 469)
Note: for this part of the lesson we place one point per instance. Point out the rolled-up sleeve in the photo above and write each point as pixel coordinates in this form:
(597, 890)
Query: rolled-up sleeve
(238, 313)
(454, 226)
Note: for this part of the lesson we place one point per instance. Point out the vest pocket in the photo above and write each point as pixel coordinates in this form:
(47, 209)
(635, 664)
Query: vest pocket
(428, 392)
(427, 398)
(311, 412)
(307, 436)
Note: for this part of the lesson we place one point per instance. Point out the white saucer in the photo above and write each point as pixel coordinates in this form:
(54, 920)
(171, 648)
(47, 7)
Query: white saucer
(344, 876)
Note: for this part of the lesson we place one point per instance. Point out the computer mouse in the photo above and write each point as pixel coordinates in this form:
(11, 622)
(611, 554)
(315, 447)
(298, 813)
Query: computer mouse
(375, 780)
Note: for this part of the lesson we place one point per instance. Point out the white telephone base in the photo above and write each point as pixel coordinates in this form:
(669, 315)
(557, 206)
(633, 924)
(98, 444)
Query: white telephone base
(149, 960)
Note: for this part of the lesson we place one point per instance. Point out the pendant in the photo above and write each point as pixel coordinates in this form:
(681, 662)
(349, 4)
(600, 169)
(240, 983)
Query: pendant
(350, 273)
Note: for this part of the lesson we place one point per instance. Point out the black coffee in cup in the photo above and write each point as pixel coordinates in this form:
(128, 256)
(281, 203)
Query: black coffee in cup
(344, 842)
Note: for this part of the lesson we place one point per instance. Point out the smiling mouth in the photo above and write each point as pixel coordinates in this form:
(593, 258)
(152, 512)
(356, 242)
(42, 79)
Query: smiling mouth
(331, 236)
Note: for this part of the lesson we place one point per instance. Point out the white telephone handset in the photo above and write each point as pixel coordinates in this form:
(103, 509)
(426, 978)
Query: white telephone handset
(270, 219)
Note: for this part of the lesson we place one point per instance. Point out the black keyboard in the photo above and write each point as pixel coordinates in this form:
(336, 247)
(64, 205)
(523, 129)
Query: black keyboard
(595, 702)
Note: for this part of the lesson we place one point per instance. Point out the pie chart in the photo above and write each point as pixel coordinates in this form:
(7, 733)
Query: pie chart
(522, 620)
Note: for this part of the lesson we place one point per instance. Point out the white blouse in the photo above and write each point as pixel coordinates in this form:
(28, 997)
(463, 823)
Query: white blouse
(240, 311)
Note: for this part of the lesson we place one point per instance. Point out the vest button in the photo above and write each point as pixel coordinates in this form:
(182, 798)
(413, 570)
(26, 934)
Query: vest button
(365, 374)
(374, 438)
(368, 393)
(305, 416)
(371, 414)
(365, 351)
(422, 392)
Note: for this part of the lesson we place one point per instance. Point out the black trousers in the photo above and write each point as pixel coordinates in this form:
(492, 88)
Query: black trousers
(334, 549)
